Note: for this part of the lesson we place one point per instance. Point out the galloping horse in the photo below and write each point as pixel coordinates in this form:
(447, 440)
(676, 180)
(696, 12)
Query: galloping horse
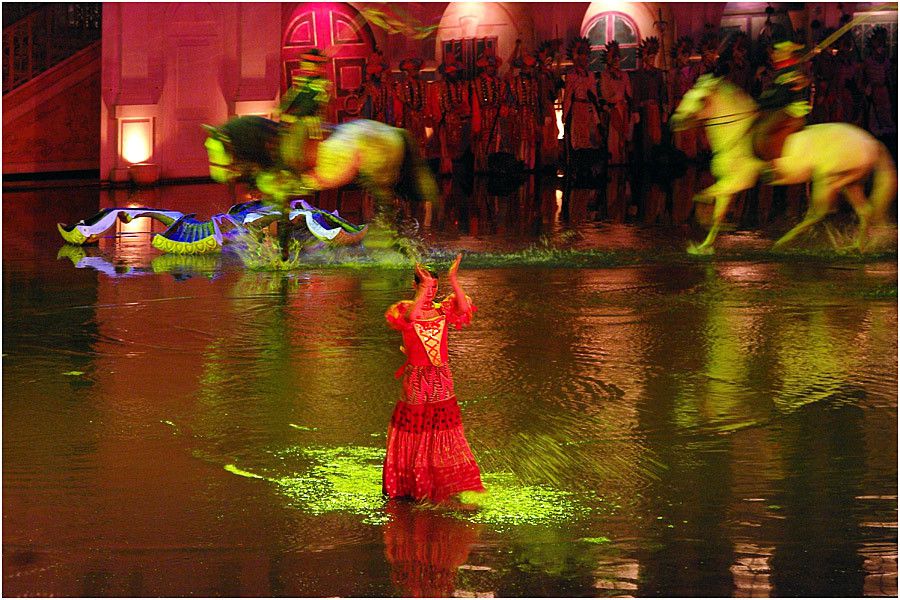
(282, 161)
(837, 157)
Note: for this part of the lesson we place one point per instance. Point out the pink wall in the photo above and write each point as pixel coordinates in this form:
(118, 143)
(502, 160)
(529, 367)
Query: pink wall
(690, 17)
(179, 65)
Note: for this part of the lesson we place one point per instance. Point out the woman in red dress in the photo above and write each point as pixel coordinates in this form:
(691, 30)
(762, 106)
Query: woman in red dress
(428, 457)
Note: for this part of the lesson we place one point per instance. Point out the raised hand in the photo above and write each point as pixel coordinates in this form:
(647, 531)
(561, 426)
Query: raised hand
(451, 274)
(424, 276)
(462, 304)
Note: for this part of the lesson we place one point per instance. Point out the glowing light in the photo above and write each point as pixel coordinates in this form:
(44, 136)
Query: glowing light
(137, 140)
(257, 108)
(140, 225)
(559, 123)
(609, 6)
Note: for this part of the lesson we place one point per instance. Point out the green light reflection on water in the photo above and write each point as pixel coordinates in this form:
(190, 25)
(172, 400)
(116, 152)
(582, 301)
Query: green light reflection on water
(348, 479)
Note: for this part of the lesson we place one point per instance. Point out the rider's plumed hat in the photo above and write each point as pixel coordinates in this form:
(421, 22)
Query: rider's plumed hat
(312, 62)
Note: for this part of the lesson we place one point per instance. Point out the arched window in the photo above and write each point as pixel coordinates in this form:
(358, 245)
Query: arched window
(613, 26)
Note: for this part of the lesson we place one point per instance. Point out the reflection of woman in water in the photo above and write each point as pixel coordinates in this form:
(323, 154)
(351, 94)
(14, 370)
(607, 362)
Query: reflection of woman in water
(428, 457)
(425, 549)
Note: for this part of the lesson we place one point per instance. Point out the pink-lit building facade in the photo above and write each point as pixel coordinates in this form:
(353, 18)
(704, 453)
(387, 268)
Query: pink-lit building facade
(167, 68)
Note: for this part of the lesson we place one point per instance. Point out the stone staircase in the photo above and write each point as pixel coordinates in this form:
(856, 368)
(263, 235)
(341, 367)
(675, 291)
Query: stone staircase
(51, 91)
(45, 36)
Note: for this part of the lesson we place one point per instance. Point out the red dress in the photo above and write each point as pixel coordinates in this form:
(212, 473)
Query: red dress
(428, 457)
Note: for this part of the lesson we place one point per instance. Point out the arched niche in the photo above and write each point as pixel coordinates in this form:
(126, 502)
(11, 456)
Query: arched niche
(499, 23)
(620, 17)
(751, 18)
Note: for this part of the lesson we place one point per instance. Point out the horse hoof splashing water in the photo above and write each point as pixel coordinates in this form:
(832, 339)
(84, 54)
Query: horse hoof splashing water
(838, 158)
(283, 160)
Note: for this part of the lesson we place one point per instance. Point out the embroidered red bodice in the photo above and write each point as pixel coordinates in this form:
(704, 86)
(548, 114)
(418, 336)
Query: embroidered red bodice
(425, 340)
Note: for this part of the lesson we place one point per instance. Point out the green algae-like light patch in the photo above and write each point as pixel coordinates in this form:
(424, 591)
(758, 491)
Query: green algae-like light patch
(596, 540)
(508, 502)
(242, 473)
(348, 479)
(345, 478)
(303, 427)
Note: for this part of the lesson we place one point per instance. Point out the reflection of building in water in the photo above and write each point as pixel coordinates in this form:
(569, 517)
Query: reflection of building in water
(751, 571)
(619, 578)
(880, 564)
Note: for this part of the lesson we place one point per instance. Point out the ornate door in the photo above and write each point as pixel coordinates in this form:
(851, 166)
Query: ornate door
(343, 34)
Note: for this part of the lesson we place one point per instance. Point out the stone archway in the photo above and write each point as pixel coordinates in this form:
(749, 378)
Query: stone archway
(469, 26)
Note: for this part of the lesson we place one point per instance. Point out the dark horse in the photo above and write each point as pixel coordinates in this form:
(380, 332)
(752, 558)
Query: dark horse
(282, 161)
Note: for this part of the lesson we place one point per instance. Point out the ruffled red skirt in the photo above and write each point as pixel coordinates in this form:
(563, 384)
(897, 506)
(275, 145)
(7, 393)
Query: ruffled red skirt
(428, 457)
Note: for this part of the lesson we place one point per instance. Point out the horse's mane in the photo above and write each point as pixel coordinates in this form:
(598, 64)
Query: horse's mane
(731, 90)
(251, 139)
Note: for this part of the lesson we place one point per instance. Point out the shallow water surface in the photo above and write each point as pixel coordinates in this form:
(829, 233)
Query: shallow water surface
(648, 424)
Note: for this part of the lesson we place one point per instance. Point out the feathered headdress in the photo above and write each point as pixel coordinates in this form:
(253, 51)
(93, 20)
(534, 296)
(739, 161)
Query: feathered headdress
(520, 59)
(549, 47)
(450, 65)
(709, 43)
(610, 51)
(376, 64)
(684, 45)
(878, 37)
(649, 47)
(412, 63)
(579, 45)
(488, 57)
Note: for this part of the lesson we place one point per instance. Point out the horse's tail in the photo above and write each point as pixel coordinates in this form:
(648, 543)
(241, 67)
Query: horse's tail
(416, 181)
(884, 185)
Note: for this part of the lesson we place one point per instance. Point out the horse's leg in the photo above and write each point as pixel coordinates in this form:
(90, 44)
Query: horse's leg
(857, 198)
(723, 201)
(740, 177)
(820, 202)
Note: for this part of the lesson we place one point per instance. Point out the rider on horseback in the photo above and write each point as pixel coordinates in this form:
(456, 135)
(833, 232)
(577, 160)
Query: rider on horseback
(302, 108)
(785, 103)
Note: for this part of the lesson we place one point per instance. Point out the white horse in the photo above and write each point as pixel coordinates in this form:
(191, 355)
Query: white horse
(836, 157)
